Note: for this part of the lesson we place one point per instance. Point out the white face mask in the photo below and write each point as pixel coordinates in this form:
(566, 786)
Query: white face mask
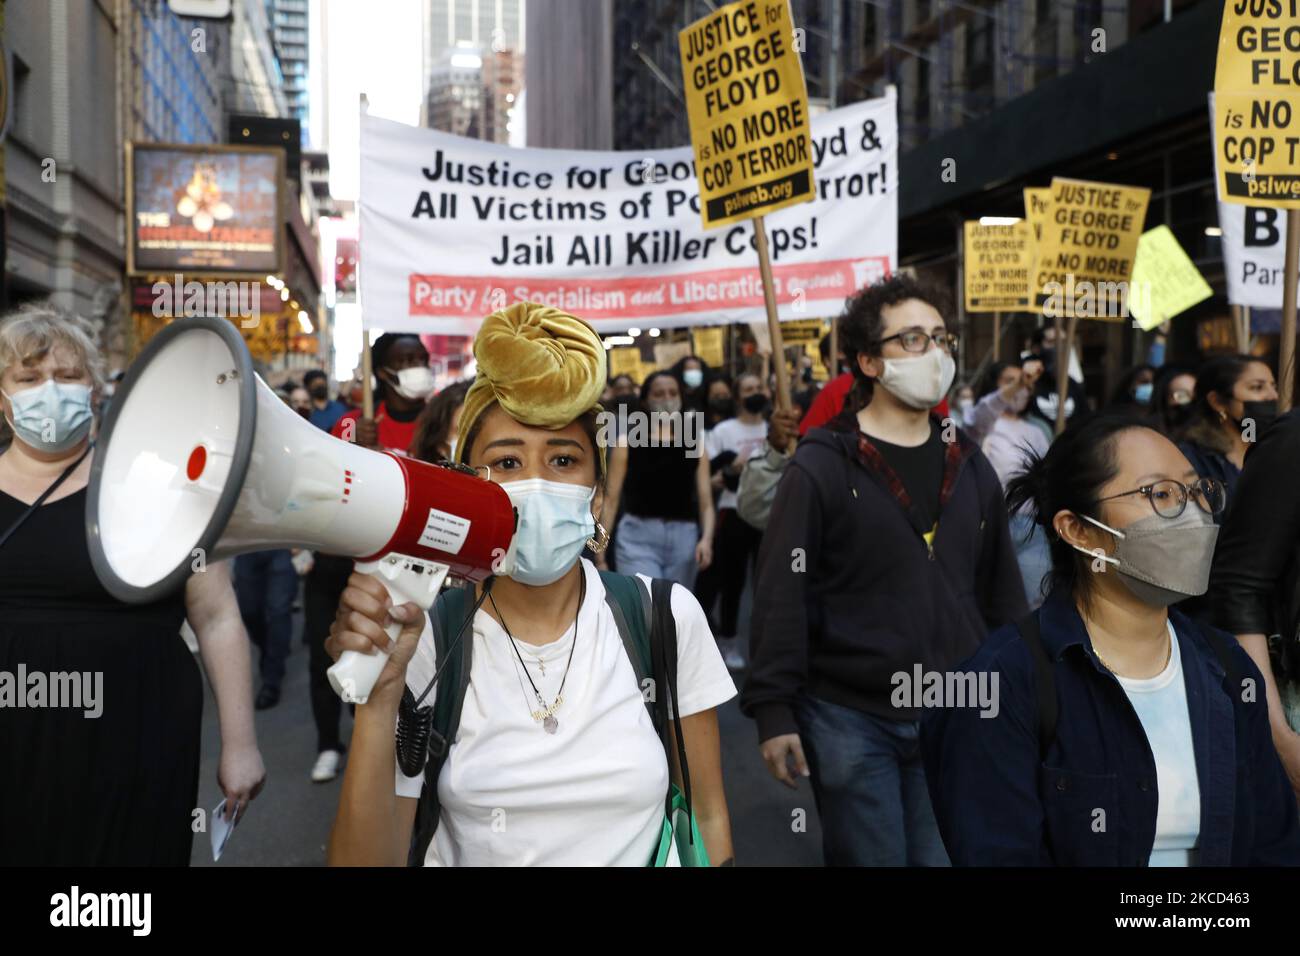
(414, 383)
(919, 382)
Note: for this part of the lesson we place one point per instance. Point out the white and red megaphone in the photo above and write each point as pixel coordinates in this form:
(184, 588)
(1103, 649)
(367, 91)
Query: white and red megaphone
(198, 460)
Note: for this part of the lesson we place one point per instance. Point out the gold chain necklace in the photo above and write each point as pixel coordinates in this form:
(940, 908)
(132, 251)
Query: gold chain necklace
(1169, 653)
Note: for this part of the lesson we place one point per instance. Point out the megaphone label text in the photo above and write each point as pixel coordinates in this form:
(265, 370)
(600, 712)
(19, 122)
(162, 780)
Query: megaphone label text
(445, 532)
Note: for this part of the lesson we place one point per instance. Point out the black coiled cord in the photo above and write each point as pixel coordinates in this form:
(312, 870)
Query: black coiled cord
(415, 722)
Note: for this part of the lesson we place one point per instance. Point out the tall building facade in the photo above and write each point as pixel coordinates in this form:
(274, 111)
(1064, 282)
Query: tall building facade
(473, 56)
(290, 19)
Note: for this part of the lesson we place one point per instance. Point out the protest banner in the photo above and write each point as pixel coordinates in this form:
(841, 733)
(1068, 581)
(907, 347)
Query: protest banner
(707, 343)
(1257, 126)
(1169, 281)
(456, 228)
(668, 354)
(1088, 248)
(1085, 259)
(625, 360)
(748, 112)
(999, 260)
(1254, 247)
(1256, 111)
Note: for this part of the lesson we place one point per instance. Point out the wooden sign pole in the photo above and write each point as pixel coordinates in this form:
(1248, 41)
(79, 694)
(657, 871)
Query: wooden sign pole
(773, 324)
(1286, 344)
(367, 378)
(1064, 343)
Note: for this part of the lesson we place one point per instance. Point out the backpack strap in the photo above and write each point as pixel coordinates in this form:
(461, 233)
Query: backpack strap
(1044, 681)
(627, 600)
(649, 631)
(446, 617)
(664, 651)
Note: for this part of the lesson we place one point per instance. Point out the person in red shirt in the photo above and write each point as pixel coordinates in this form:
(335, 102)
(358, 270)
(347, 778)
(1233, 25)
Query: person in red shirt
(401, 365)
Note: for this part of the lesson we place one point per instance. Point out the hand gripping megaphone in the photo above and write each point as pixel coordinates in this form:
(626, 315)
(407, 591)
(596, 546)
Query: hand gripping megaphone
(198, 461)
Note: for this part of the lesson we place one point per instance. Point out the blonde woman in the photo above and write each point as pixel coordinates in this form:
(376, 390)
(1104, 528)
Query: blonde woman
(101, 757)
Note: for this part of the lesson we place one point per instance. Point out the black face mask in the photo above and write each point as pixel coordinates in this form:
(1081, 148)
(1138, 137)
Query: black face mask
(755, 404)
(319, 391)
(807, 375)
(1176, 416)
(1263, 414)
(722, 407)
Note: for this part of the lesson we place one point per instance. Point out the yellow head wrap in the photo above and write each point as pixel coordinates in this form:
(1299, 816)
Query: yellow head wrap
(543, 367)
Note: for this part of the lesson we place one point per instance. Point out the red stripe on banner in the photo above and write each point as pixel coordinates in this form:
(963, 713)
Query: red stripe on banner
(638, 296)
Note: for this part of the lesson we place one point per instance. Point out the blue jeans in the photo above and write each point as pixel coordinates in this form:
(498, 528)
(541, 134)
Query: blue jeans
(869, 784)
(659, 548)
(265, 584)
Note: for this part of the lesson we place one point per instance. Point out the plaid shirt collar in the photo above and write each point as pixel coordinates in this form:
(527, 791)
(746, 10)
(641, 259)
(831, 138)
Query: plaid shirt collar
(955, 453)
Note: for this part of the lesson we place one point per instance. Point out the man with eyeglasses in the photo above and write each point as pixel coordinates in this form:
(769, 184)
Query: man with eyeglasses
(886, 558)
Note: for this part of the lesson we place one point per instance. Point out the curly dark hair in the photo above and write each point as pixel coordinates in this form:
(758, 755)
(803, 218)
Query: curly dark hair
(433, 427)
(861, 324)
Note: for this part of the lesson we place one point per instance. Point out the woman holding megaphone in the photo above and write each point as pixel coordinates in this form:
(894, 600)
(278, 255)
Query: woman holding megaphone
(101, 701)
(564, 751)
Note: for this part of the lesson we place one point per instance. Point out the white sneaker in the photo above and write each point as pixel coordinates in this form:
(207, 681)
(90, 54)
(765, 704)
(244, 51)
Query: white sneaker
(326, 767)
(732, 653)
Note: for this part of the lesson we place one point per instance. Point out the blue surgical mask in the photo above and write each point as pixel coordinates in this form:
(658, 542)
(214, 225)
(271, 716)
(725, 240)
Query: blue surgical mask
(1143, 393)
(555, 521)
(52, 417)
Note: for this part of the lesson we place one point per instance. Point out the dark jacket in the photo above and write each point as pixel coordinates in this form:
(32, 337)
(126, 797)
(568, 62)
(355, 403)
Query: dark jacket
(1255, 581)
(847, 591)
(998, 804)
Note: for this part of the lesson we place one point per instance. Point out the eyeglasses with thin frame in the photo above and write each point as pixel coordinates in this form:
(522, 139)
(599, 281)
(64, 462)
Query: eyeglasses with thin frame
(915, 340)
(1169, 496)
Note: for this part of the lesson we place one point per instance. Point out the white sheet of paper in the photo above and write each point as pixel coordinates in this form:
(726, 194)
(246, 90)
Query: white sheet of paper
(220, 830)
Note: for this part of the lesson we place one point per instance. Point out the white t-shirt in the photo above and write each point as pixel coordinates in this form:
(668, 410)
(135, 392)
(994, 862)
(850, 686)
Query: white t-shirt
(734, 435)
(1161, 705)
(592, 794)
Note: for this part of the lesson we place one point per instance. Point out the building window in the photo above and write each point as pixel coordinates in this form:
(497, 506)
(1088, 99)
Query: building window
(979, 52)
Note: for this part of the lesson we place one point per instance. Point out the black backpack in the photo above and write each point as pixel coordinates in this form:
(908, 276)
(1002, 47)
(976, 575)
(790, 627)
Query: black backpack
(649, 632)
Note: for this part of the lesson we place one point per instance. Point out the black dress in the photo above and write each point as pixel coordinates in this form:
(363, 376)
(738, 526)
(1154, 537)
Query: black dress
(117, 789)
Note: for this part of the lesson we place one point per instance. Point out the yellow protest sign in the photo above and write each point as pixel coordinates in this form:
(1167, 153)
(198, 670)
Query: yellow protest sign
(1085, 261)
(1165, 280)
(625, 360)
(1037, 200)
(802, 330)
(997, 266)
(708, 346)
(1257, 105)
(668, 354)
(748, 111)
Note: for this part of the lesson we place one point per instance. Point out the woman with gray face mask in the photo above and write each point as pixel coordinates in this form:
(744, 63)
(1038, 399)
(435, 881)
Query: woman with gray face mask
(1122, 732)
(659, 476)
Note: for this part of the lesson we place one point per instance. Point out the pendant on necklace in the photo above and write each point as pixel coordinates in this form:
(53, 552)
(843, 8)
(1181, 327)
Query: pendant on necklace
(550, 725)
(542, 664)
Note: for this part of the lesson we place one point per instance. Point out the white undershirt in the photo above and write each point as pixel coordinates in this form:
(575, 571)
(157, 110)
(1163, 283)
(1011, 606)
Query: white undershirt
(1161, 705)
(591, 794)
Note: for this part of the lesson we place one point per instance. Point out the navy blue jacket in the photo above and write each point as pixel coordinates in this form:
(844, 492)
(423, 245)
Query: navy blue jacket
(998, 804)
